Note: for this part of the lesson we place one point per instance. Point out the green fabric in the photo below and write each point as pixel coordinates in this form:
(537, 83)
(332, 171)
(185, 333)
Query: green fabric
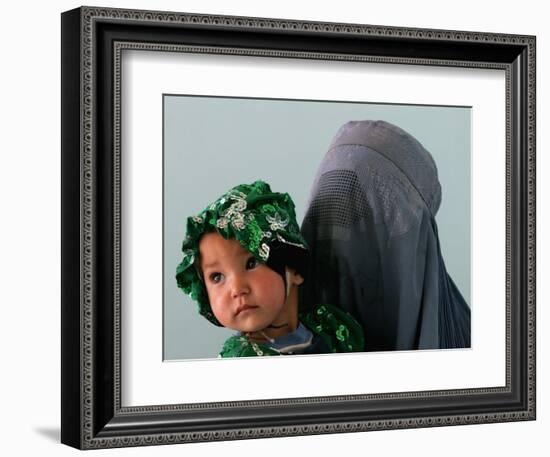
(339, 331)
(250, 213)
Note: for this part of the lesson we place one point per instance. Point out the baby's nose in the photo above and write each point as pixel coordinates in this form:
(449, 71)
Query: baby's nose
(239, 286)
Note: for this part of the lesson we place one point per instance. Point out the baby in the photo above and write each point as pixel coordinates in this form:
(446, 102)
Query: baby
(243, 261)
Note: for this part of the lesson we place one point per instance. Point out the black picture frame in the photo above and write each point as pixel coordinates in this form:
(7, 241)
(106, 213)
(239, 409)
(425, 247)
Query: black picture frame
(92, 415)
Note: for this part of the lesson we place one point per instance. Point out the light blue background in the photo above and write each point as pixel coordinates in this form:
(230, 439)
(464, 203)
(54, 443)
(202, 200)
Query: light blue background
(213, 143)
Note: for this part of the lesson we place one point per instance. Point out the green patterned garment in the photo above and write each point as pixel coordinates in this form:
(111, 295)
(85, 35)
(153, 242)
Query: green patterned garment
(338, 331)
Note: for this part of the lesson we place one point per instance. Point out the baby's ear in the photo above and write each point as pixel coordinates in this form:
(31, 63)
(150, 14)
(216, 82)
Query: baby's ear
(293, 277)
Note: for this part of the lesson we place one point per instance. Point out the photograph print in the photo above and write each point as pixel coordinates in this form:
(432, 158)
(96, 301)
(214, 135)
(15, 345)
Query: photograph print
(303, 227)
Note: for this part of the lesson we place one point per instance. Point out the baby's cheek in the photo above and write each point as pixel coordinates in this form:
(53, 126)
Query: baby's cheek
(220, 309)
(275, 288)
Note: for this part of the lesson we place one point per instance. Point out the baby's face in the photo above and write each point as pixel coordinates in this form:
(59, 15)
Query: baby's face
(245, 294)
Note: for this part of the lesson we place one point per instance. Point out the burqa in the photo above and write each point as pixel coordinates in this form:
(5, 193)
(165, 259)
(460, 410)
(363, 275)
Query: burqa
(370, 225)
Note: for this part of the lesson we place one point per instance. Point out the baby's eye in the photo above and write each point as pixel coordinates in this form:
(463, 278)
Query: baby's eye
(252, 263)
(215, 277)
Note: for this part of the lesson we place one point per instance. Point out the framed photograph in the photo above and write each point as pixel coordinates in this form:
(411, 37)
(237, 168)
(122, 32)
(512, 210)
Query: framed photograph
(375, 187)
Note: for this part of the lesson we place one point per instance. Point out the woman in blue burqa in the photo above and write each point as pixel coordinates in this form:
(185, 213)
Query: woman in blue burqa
(375, 250)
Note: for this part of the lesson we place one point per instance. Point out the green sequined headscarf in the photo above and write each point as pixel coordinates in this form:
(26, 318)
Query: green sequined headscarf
(262, 221)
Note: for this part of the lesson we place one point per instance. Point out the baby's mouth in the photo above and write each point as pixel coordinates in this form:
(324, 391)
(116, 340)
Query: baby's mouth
(242, 308)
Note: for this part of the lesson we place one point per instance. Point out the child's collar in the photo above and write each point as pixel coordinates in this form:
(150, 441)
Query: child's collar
(297, 340)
